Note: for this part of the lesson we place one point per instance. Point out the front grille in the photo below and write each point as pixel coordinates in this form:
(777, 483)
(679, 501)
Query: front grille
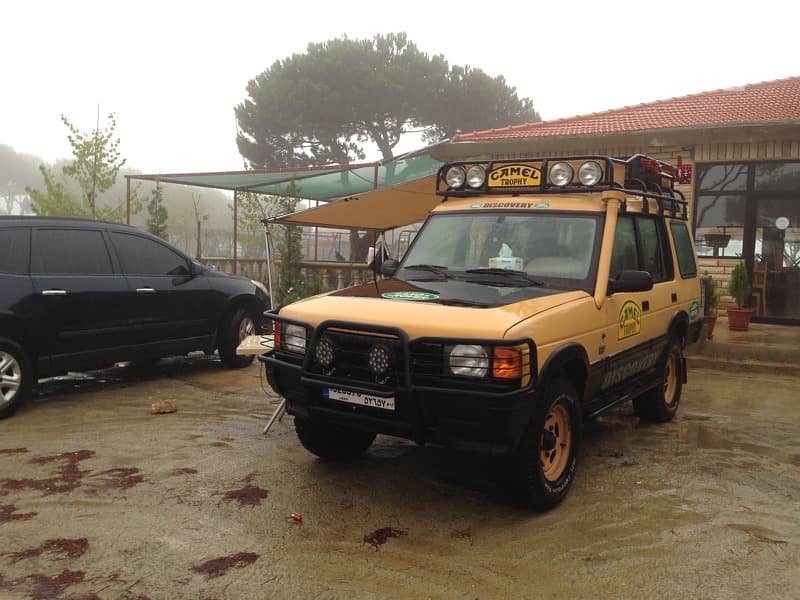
(362, 357)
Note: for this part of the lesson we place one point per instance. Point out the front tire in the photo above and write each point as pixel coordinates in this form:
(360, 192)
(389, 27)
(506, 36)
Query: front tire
(16, 377)
(659, 404)
(332, 442)
(544, 464)
(239, 326)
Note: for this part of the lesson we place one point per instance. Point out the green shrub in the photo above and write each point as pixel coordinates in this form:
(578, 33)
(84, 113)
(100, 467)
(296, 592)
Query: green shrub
(739, 285)
(710, 294)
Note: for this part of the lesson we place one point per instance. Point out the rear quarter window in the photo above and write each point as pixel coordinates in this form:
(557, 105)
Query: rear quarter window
(684, 249)
(14, 250)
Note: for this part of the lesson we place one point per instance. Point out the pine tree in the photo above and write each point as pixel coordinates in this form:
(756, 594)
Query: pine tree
(157, 220)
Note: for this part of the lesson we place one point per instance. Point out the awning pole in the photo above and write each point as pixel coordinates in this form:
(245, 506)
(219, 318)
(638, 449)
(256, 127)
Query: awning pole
(128, 200)
(281, 408)
(235, 227)
(268, 245)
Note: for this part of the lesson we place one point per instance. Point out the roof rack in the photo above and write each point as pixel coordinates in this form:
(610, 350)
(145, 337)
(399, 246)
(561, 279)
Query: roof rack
(640, 176)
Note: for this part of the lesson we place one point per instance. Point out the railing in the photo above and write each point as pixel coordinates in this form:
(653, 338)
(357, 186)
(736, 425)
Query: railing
(332, 274)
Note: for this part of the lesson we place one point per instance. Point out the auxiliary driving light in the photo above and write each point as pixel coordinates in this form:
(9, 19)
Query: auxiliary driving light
(561, 174)
(455, 177)
(379, 359)
(476, 175)
(324, 352)
(590, 173)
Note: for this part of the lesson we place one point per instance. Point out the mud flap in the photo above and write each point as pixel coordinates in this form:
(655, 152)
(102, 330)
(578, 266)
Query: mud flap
(684, 371)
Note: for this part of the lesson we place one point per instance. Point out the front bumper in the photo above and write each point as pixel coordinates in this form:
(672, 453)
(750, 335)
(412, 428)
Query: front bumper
(481, 416)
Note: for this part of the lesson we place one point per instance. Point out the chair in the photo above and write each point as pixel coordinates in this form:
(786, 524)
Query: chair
(759, 287)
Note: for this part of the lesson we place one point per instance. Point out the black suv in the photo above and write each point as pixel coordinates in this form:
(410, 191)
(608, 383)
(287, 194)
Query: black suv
(77, 294)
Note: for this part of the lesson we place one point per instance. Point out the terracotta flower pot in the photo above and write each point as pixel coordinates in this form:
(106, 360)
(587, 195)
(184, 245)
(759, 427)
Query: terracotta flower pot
(739, 318)
(710, 321)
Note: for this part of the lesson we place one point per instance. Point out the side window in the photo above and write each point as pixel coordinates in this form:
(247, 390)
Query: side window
(14, 250)
(142, 256)
(625, 255)
(70, 252)
(651, 249)
(683, 248)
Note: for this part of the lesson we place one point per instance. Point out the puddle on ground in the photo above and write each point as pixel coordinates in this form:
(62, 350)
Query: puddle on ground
(380, 536)
(699, 436)
(219, 566)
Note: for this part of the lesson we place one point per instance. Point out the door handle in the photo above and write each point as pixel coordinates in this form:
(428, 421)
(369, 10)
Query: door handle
(145, 291)
(645, 305)
(54, 292)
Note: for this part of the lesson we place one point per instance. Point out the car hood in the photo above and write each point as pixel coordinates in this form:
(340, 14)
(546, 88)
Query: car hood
(395, 303)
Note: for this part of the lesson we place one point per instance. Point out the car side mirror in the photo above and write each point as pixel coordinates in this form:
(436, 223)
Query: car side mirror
(195, 268)
(631, 281)
(389, 267)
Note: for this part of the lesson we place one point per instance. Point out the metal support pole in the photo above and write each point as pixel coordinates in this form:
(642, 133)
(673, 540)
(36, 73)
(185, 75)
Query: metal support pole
(281, 408)
(235, 227)
(268, 245)
(276, 416)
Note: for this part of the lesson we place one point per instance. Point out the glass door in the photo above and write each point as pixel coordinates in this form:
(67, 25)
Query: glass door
(776, 260)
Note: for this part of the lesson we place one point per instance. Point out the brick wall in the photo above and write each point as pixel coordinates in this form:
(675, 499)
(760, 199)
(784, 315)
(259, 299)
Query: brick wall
(720, 270)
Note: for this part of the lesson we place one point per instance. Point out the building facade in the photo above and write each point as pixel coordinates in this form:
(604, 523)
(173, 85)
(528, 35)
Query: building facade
(743, 146)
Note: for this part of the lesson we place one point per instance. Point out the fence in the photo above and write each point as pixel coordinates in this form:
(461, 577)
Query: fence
(336, 275)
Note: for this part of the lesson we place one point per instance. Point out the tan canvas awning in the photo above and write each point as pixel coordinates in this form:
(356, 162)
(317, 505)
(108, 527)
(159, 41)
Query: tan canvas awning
(382, 209)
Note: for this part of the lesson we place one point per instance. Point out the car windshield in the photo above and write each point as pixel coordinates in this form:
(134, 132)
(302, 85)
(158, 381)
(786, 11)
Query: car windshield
(536, 253)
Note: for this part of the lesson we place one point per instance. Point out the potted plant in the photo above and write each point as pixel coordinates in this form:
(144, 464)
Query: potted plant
(710, 303)
(739, 288)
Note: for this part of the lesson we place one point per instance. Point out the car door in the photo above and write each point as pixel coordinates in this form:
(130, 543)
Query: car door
(81, 293)
(628, 335)
(168, 302)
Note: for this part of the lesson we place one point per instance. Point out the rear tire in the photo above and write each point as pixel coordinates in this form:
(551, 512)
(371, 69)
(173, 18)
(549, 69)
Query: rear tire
(659, 404)
(239, 326)
(544, 464)
(16, 377)
(332, 442)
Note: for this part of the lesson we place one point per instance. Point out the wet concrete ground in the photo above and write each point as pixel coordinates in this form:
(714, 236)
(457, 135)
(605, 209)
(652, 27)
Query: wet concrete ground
(101, 499)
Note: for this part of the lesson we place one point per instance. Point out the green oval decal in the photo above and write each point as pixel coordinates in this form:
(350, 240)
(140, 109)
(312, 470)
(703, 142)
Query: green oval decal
(409, 295)
(694, 308)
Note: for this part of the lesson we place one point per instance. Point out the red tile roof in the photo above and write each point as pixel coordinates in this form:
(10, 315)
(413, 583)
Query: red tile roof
(766, 101)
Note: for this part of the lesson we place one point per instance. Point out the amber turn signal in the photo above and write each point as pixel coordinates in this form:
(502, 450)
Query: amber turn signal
(507, 363)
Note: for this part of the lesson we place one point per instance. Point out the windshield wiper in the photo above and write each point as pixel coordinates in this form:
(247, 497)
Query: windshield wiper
(508, 273)
(438, 269)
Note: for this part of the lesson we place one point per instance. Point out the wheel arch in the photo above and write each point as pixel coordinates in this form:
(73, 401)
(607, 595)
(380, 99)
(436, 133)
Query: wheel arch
(248, 301)
(679, 327)
(569, 361)
(14, 329)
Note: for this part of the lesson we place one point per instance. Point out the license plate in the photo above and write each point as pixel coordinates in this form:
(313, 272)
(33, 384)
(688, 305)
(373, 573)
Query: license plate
(359, 398)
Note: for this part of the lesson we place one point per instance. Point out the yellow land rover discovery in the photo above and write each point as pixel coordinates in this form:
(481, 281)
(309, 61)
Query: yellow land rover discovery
(538, 293)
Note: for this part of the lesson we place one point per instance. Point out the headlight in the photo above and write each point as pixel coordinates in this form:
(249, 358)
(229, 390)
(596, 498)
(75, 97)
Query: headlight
(294, 338)
(469, 359)
(590, 172)
(476, 176)
(455, 177)
(561, 174)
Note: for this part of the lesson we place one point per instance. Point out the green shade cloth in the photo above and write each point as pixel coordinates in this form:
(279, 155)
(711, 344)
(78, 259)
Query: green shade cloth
(323, 183)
